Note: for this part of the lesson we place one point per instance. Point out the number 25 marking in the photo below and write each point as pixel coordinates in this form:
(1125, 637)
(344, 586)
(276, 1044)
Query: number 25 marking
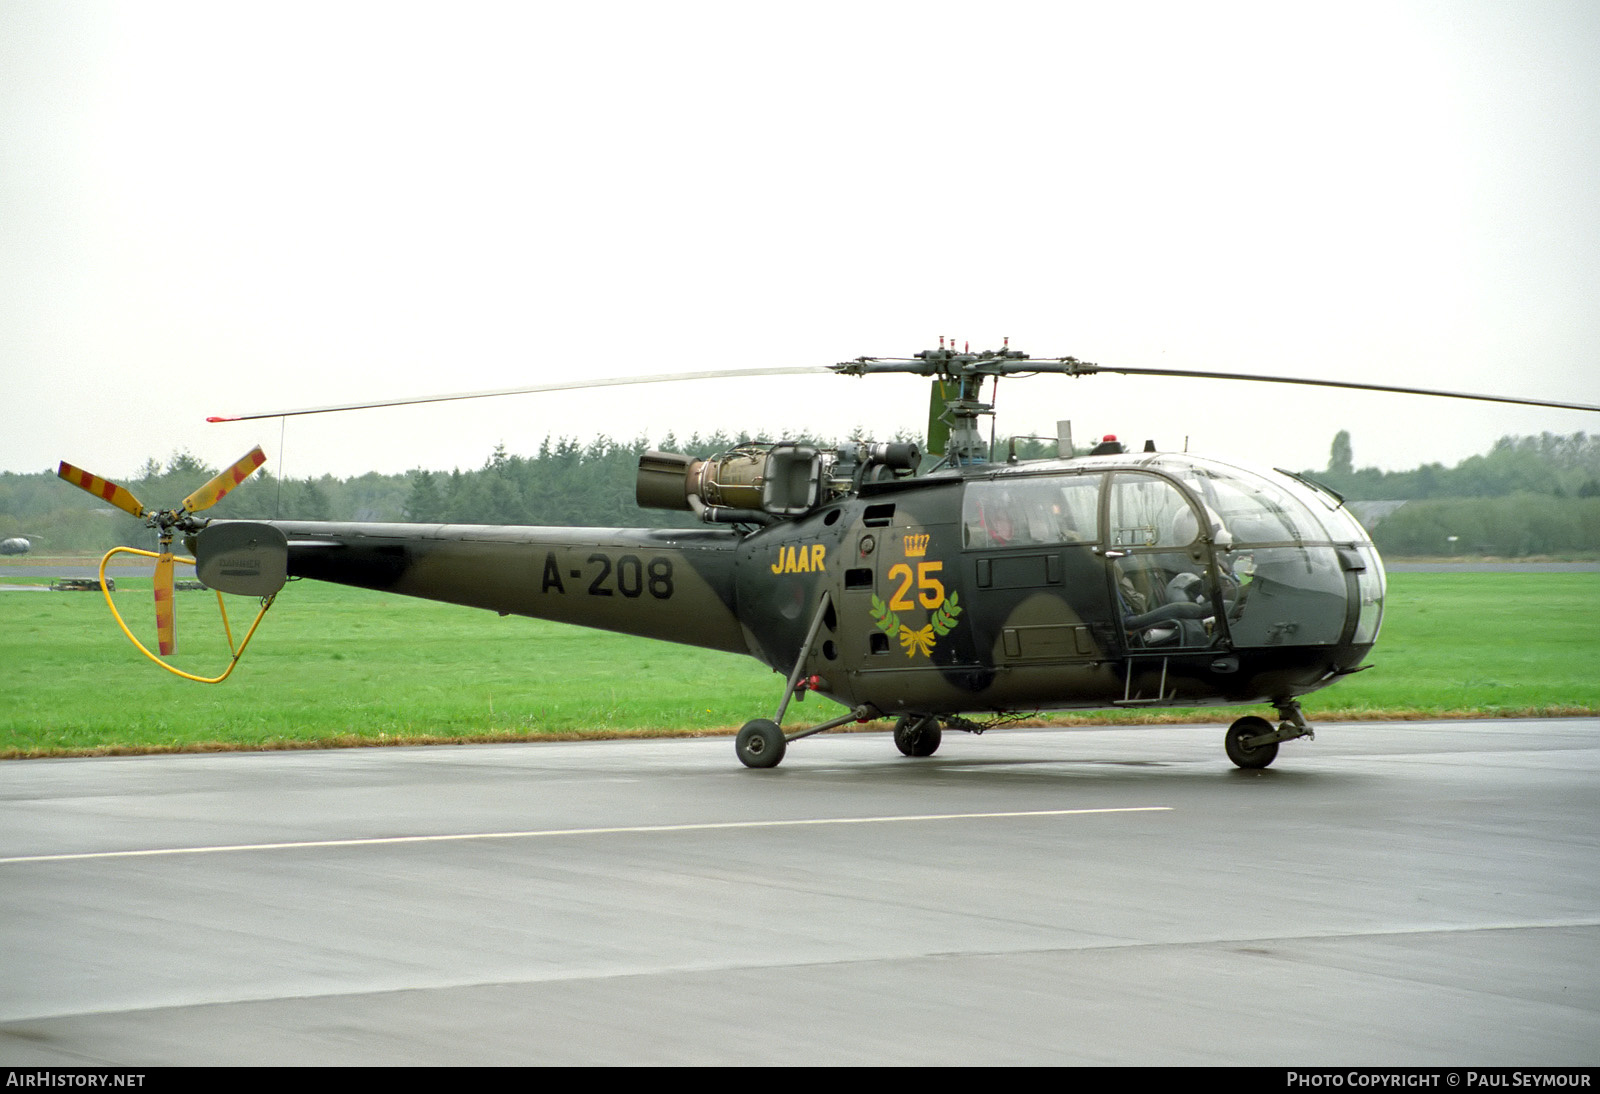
(930, 590)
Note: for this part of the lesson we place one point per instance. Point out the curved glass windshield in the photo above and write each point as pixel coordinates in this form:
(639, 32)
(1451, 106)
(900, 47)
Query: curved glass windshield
(1256, 510)
(1286, 554)
(1287, 596)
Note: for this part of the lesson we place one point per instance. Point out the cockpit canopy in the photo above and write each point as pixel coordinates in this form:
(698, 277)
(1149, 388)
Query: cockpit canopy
(1257, 557)
(1161, 500)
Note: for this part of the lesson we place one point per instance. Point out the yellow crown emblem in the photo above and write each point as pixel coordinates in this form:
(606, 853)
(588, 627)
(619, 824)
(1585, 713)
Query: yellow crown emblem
(916, 546)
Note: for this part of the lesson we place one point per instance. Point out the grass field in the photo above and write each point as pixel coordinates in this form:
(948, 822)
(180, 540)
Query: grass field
(341, 666)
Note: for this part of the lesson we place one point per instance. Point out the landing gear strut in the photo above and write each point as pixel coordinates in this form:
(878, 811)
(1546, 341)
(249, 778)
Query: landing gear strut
(761, 741)
(1252, 743)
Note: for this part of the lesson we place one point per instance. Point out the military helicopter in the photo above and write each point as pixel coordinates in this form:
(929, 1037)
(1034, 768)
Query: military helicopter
(952, 598)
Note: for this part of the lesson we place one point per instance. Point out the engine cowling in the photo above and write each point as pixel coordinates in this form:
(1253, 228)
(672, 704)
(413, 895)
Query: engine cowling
(778, 479)
(775, 480)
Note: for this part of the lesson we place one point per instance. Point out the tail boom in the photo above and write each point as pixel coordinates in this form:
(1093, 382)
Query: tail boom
(670, 584)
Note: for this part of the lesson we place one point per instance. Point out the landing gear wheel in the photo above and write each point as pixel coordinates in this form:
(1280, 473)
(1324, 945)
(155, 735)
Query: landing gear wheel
(918, 735)
(760, 744)
(1243, 755)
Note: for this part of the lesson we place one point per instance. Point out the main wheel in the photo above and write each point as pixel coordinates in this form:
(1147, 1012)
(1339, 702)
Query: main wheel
(918, 735)
(760, 744)
(1243, 755)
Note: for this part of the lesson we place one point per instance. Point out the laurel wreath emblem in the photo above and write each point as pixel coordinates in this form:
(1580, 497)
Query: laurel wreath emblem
(924, 638)
(886, 620)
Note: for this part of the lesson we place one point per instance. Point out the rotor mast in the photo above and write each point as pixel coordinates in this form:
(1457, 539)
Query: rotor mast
(963, 372)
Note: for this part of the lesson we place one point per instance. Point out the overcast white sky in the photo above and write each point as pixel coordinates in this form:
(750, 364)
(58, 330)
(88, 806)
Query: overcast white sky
(211, 208)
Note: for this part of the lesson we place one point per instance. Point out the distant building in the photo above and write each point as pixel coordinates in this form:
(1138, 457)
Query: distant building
(1372, 513)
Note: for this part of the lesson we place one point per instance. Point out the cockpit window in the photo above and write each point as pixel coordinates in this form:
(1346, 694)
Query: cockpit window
(1257, 511)
(1147, 511)
(1017, 511)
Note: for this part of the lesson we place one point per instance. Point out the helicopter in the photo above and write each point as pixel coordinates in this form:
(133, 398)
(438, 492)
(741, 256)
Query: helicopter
(956, 597)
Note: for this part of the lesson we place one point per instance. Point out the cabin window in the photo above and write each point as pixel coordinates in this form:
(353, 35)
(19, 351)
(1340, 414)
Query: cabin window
(1017, 511)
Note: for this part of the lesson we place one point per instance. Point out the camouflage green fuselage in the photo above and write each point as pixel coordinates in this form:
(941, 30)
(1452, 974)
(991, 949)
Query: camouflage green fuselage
(1085, 583)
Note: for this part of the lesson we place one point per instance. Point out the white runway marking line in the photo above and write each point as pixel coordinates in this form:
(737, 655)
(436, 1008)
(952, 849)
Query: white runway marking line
(547, 832)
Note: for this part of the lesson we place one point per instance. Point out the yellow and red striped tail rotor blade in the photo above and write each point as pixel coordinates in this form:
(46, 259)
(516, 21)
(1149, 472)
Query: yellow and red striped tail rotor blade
(104, 489)
(166, 623)
(213, 491)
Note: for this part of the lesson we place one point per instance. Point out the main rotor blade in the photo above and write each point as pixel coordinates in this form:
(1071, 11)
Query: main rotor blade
(575, 385)
(213, 491)
(166, 623)
(995, 364)
(104, 489)
(1351, 384)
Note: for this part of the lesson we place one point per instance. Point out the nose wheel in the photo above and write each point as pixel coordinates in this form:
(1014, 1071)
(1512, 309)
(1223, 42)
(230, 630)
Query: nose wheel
(1252, 743)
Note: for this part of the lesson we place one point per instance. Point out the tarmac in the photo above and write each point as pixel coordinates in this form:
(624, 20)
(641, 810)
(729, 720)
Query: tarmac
(1391, 893)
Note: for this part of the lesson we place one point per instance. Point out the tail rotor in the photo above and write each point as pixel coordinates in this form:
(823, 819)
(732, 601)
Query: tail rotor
(167, 523)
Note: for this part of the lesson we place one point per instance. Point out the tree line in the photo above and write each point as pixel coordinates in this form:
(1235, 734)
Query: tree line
(1527, 495)
(567, 482)
(1551, 464)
